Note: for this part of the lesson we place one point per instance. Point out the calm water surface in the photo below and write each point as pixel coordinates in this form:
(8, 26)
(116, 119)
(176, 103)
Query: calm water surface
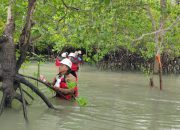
(116, 101)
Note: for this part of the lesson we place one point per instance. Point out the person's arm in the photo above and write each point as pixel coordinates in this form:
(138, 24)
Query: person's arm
(42, 78)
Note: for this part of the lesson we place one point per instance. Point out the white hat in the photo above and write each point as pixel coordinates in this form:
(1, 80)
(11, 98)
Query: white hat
(67, 62)
(79, 52)
(76, 53)
(72, 54)
(64, 54)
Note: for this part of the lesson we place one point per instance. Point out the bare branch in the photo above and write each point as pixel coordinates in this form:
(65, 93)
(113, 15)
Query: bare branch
(62, 17)
(173, 24)
(49, 86)
(22, 80)
(152, 21)
(74, 8)
(151, 17)
(24, 39)
(69, 7)
(159, 31)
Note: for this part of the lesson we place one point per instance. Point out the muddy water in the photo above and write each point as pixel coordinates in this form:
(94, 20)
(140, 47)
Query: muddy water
(116, 101)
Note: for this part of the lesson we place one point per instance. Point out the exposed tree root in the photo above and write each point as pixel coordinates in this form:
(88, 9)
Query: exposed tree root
(28, 94)
(23, 104)
(22, 80)
(151, 82)
(2, 103)
(19, 98)
(49, 86)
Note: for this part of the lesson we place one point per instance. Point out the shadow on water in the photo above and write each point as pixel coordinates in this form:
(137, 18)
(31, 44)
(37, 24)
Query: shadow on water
(117, 101)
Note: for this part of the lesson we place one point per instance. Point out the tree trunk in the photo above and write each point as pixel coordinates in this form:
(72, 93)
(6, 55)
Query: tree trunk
(8, 58)
(8, 67)
(160, 76)
(154, 28)
(161, 38)
(1, 60)
(24, 40)
(158, 38)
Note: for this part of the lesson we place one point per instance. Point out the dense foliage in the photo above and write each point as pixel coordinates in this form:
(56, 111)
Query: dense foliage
(99, 27)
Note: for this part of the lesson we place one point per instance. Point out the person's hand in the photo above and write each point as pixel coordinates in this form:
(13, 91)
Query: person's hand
(57, 77)
(42, 78)
(57, 84)
(56, 88)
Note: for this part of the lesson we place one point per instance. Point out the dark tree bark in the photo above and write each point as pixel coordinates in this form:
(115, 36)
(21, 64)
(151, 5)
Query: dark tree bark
(24, 40)
(1, 59)
(22, 80)
(8, 58)
(23, 103)
(9, 68)
(47, 85)
(2, 103)
(163, 4)
(159, 39)
(28, 94)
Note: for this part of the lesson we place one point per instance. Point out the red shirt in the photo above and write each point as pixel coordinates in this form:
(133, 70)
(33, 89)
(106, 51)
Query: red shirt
(63, 85)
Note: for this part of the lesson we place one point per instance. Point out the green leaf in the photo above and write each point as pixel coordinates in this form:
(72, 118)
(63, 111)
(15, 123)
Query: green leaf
(107, 2)
(82, 101)
(101, 1)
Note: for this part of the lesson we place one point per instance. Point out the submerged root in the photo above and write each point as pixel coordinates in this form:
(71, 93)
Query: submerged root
(23, 104)
(2, 103)
(151, 82)
(47, 85)
(29, 95)
(22, 80)
(19, 98)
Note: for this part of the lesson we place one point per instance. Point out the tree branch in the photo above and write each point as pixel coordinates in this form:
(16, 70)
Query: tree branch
(151, 17)
(152, 21)
(47, 85)
(74, 8)
(63, 17)
(69, 7)
(22, 80)
(158, 31)
(24, 39)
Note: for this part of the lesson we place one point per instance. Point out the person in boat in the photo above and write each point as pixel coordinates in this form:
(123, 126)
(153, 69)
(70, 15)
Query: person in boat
(65, 82)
